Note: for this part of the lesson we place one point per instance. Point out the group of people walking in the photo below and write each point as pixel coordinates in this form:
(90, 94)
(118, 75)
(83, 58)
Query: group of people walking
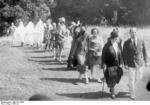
(89, 53)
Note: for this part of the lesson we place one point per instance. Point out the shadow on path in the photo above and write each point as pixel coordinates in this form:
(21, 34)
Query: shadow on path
(41, 61)
(53, 63)
(58, 69)
(42, 57)
(90, 95)
(63, 80)
(94, 95)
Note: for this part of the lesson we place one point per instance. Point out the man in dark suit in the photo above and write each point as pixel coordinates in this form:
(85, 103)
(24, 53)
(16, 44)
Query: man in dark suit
(135, 57)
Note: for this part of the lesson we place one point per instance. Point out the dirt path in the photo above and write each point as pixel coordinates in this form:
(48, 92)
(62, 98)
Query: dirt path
(26, 71)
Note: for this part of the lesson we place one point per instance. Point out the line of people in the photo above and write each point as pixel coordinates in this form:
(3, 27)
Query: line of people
(88, 53)
(57, 37)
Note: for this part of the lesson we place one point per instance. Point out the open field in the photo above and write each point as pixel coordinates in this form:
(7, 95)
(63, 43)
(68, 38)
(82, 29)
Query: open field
(25, 71)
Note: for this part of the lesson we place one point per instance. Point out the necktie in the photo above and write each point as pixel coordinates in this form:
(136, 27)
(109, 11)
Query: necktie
(134, 43)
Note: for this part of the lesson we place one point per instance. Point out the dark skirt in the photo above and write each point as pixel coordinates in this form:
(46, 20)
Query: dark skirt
(59, 44)
(81, 58)
(72, 61)
(113, 75)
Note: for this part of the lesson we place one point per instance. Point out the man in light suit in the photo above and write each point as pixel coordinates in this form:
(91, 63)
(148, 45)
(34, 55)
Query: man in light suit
(135, 57)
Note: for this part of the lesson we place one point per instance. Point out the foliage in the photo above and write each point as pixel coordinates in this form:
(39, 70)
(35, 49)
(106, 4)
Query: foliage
(130, 12)
(26, 10)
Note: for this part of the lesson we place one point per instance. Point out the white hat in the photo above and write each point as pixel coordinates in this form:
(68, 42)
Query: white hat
(62, 20)
(73, 23)
(133, 29)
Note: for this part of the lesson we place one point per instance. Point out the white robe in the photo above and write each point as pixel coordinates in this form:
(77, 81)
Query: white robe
(39, 32)
(29, 38)
(19, 34)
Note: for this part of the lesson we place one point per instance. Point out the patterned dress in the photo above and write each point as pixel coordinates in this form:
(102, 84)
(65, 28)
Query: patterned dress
(95, 45)
(81, 52)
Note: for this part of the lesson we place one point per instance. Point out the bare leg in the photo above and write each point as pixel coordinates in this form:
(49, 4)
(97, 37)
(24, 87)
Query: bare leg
(92, 72)
(80, 76)
(60, 54)
(112, 90)
(57, 53)
(98, 74)
(54, 53)
(86, 78)
(86, 75)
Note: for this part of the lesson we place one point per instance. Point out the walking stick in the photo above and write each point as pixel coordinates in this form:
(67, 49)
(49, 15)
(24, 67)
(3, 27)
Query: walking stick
(103, 84)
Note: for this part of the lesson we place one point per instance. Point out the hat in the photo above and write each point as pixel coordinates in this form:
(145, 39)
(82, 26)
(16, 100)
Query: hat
(133, 30)
(63, 20)
(114, 35)
(73, 23)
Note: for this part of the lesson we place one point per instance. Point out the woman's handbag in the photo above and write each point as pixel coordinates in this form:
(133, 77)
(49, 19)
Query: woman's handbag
(120, 73)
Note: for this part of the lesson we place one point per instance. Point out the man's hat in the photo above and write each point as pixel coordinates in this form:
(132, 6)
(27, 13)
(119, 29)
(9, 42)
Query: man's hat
(62, 20)
(114, 35)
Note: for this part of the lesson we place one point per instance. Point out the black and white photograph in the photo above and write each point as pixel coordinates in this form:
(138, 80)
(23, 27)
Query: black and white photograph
(74, 50)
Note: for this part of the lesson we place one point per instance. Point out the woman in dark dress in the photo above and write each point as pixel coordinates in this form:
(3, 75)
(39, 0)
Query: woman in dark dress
(81, 54)
(72, 61)
(111, 62)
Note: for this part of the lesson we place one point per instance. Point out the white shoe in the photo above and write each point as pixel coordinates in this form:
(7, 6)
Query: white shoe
(132, 97)
(99, 81)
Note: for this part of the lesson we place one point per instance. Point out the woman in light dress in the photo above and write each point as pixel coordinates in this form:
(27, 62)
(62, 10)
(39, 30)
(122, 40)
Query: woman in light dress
(95, 45)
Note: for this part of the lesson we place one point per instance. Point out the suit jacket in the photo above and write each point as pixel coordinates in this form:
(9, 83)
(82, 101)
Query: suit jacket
(109, 56)
(134, 56)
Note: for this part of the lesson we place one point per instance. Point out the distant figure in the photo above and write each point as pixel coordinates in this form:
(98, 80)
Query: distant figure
(135, 57)
(47, 35)
(20, 34)
(39, 34)
(12, 30)
(39, 97)
(55, 40)
(78, 23)
(72, 26)
(62, 32)
(103, 21)
(29, 33)
(112, 63)
(95, 46)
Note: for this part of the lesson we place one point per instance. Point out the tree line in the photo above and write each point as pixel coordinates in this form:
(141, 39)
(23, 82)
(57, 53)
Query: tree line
(117, 12)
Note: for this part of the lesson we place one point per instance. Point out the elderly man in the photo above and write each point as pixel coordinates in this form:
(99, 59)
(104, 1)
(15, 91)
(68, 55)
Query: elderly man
(135, 57)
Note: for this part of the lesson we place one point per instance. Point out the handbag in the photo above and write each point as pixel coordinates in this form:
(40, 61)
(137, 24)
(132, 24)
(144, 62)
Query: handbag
(120, 73)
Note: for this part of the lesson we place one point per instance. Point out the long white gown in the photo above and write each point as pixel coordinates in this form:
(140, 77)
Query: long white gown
(19, 34)
(29, 38)
(39, 33)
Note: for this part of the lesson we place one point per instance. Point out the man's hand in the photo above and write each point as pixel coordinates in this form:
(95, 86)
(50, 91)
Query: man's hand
(104, 67)
(121, 65)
